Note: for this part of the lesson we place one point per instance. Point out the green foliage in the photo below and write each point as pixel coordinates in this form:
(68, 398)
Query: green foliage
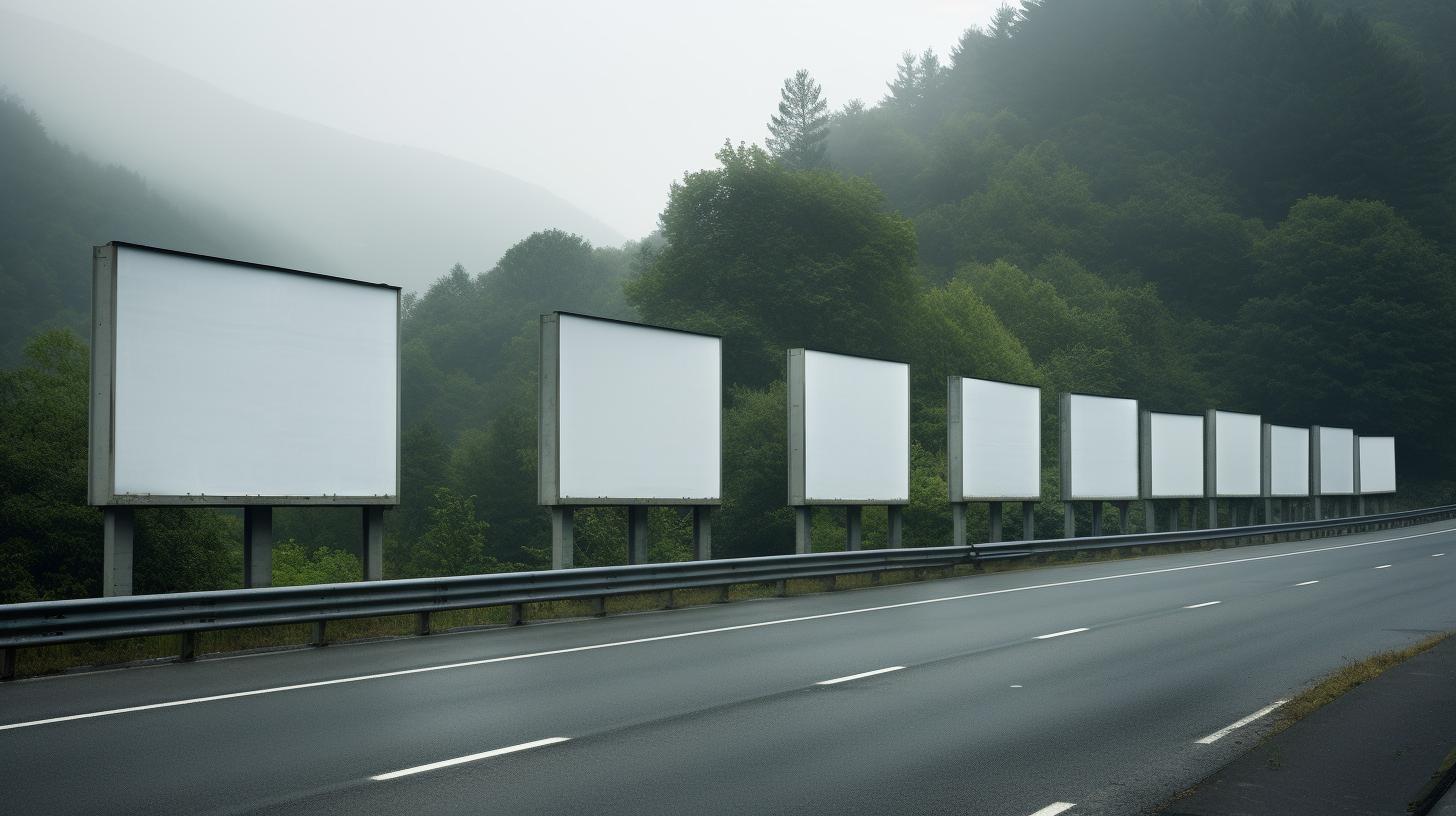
(773, 260)
(294, 565)
(797, 134)
(755, 518)
(454, 541)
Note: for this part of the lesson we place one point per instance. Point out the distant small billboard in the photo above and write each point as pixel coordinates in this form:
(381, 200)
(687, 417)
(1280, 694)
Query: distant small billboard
(1233, 455)
(1099, 448)
(993, 435)
(1375, 460)
(218, 382)
(1286, 462)
(1332, 461)
(629, 413)
(849, 429)
(1172, 455)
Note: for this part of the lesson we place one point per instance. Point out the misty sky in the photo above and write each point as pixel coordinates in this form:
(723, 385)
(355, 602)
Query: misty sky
(603, 103)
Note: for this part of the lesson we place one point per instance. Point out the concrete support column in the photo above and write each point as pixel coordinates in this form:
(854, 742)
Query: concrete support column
(1069, 520)
(373, 542)
(896, 520)
(636, 534)
(803, 529)
(958, 524)
(118, 531)
(1150, 515)
(1028, 521)
(995, 513)
(1124, 521)
(702, 532)
(1212, 514)
(1318, 509)
(1096, 519)
(853, 529)
(1173, 508)
(257, 547)
(563, 537)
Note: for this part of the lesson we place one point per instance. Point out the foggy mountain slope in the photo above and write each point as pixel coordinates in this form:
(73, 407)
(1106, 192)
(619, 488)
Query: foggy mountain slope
(317, 197)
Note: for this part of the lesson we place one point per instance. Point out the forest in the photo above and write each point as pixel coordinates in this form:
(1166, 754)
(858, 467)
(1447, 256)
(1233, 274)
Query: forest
(1196, 203)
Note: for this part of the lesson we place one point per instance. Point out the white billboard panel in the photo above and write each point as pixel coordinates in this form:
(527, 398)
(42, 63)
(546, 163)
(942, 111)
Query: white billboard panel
(1234, 454)
(994, 440)
(849, 429)
(1333, 464)
(1099, 437)
(629, 413)
(230, 383)
(1286, 461)
(1377, 464)
(1172, 456)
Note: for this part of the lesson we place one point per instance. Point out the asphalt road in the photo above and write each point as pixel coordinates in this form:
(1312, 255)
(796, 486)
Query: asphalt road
(722, 709)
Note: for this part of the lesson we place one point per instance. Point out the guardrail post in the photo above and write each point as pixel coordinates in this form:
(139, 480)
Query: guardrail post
(374, 542)
(702, 532)
(515, 618)
(117, 531)
(1096, 519)
(188, 649)
(803, 529)
(782, 588)
(853, 529)
(319, 632)
(722, 594)
(958, 524)
(1028, 521)
(995, 514)
(7, 663)
(257, 546)
(896, 514)
(563, 547)
(422, 623)
(636, 534)
(599, 606)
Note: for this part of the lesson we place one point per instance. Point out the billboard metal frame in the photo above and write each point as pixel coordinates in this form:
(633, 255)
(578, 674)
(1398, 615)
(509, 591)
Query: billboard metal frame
(1359, 488)
(955, 442)
(1145, 455)
(1316, 485)
(1064, 452)
(1266, 477)
(1210, 455)
(102, 408)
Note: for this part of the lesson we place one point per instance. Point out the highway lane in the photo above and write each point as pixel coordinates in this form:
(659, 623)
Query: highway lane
(717, 710)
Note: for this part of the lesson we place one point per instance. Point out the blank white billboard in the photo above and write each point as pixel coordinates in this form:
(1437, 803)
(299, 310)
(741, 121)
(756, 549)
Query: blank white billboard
(629, 413)
(994, 451)
(1333, 466)
(1235, 454)
(849, 429)
(1099, 437)
(1286, 461)
(1172, 456)
(230, 383)
(1377, 464)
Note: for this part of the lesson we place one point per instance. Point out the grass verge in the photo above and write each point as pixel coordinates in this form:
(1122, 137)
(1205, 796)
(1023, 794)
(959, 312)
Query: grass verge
(1346, 678)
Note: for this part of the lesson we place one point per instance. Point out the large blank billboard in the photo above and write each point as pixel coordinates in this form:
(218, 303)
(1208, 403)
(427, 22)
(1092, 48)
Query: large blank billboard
(1332, 465)
(1099, 448)
(630, 414)
(1234, 454)
(1172, 456)
(849, 429)
(1286, 461)
(215, 382)
(1376, 460)
(993, 440)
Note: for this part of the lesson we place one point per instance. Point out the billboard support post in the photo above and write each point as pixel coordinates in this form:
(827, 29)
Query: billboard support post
(636, 534)
(702, 532)
(1028, 520)
(853, 528)
(897, 526)
(1124, 509)
(1069, 520)
(257, 546)
(1096, 519)
(995, 533)
(803, 529)
(563, 545)
(958, 523)
(116, 556)
(1212, 513)
(1150, 515)
(373, 542)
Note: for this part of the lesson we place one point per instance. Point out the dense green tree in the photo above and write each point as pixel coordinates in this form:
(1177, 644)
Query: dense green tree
(454, 541)
(295, 565)
(798, 134)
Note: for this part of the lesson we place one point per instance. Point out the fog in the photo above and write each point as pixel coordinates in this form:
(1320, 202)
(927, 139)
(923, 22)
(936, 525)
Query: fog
(389, 141)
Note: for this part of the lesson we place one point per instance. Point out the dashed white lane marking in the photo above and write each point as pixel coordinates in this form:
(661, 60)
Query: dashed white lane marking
(592, 647)
(857, 676)
(1223, 732)
(1054, 808)
(1205, 603)
(1438, 555)
(1059, 634)
(1384, 566)
(445, 763)
(1307, 583)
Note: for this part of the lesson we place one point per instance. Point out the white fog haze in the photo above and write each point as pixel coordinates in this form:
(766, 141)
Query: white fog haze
(389, 141)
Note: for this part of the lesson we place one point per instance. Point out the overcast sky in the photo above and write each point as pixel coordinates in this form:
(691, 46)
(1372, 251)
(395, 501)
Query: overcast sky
(603, 103)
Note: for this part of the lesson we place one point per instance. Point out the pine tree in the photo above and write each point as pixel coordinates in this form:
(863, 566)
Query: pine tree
(799, 133)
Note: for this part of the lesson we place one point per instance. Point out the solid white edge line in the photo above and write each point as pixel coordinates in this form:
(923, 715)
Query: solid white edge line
(1054, 808)
(1205, 603)
(857, 676)
(484, 661)
(1307, 583)
(1059, 634)
(525, 746)
(1223, 732)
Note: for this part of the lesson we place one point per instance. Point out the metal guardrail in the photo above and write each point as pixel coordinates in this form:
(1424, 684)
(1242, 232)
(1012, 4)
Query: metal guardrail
(45, 623)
